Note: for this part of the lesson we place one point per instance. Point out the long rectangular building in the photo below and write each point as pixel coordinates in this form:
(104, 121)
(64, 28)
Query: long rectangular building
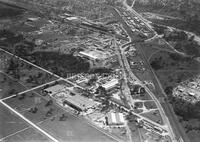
(115, 119)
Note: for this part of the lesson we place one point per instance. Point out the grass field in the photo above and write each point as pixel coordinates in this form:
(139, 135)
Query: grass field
(33, 100)
(9, 123)
(28, 135)
(145, 96)
(72, 129)
(150, 105)
(154, 117)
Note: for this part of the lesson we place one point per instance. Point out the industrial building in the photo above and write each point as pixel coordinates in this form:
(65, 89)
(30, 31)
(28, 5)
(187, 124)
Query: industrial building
(55, 89)
(63, 95)
(76, 101)
(111, 84)
(115, 119)
(94, 54)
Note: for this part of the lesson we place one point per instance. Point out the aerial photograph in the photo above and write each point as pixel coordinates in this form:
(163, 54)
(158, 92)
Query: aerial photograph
(99, 70)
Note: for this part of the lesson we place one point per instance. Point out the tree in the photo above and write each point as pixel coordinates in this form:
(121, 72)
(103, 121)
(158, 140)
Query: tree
(33, 110)
(49, 112)
(92, 80)
(130, 117)
(22, 96)
(50, 102)
(12, 91)
(63, 117)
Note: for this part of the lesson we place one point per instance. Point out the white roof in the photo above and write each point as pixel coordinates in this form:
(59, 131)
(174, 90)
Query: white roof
(71, 18)
(113, 117)
(121, 118)
(116, 96)
(33, 18)
(110, 84)
(76, 99)
(116, 118)
(88, 55)
(94, 54)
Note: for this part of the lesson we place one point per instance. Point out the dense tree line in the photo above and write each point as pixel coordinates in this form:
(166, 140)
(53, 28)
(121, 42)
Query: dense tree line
(61, 64)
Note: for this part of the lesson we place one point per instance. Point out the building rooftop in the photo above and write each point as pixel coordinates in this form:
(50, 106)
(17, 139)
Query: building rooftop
(116, 96)
(75, 99)
(115, 118)
(94, 54)
(110, 84)
(55, 89)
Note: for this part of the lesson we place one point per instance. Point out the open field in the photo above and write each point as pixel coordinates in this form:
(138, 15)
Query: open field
(31, 100)
(28, 135)
(150, 105)
(144, 96)
(71, 129)
(9, 123)
(154, 116)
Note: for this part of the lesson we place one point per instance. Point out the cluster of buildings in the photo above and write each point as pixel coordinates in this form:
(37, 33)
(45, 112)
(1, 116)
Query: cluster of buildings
(137, 25)
(108, 82)
(118, 28)
(189, 90)
(65, 96)
(87, 107)
(95, 56)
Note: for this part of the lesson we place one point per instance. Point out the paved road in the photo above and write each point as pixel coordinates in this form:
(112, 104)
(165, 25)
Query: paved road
(165, 119)
(124, 64)
(167, 108)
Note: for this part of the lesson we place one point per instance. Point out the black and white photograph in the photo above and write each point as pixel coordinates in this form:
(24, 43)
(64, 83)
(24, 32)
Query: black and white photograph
(99, 70)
